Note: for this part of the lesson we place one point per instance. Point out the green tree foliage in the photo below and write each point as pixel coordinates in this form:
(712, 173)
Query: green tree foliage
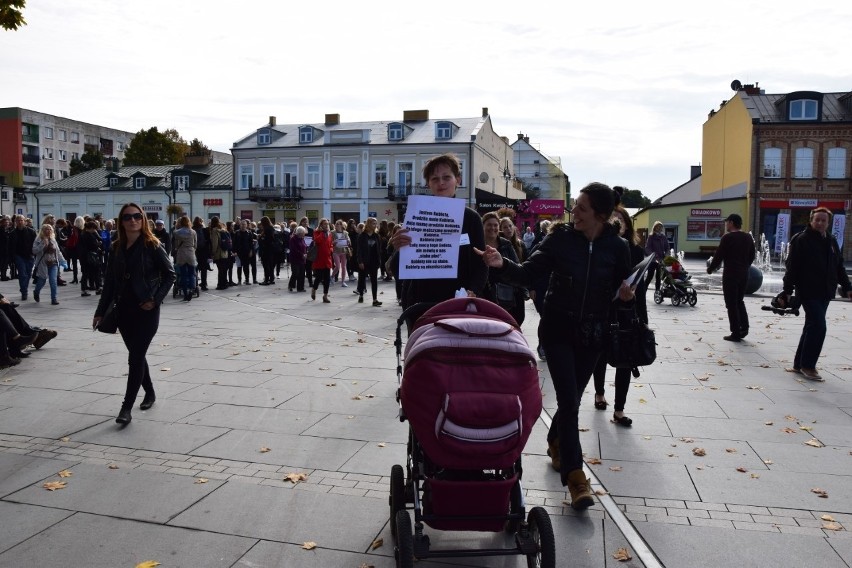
(11, 14)
(198, 148)
(633, 198)
(154, 148)
(88, 161)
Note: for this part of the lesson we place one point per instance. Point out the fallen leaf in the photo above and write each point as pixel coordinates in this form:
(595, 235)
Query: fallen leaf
(741, 469)
(264, 450)
(381, 444)
(296, 477)
(669, 455)
(642, 401)
(331, 384)
(65, 439)
(309, 545)
(323, 368)
(201, 480)
(828, 518)
(769, 423)
(622, 555)
(687, 348)
(768, 462)
(356, 397)
(377, 543)
(806, 428)
(148, 564)
(755, 476)
(722, 363)
(687, 440)
(593, 461)
(649, 437)
(791, 418)
(166, 369)
(615, 468)
(54, 485)
(266, 370)
(583, 429)
(832, 526)
(65, 473)
(700, 452)
(788, 430)
(731, 450)
(370, 395)
(820, 492)
(815, 443)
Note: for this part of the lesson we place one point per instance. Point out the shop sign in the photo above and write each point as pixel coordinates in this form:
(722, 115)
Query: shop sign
(705, 212)
(542, 207)
(213, 201)
(803, 203)
(152, 208)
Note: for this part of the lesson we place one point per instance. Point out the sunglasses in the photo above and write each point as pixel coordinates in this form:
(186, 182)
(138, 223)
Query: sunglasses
(131, 217)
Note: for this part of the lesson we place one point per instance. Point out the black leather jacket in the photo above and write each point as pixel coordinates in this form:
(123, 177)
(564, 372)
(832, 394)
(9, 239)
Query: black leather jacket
(815, 266)
(585, 274)
(151, 279)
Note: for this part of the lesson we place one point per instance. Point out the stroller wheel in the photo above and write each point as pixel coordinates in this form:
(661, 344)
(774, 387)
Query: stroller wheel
(541, 533)
(404, 550)
(676, 300)
(692, 298)
(658, 296)
(397, 495)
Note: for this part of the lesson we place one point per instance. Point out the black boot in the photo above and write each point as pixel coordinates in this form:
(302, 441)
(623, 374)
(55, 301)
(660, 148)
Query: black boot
(124, 416)
(148, 401)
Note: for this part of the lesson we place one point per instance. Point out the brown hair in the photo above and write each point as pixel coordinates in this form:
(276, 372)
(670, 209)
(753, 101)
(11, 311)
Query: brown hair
(148, 237)
(449, 160)
(825, 210)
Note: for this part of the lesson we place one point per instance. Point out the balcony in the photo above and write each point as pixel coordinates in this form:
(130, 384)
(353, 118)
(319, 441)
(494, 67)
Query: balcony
(401, 192)
(31, 158)
(275, 193)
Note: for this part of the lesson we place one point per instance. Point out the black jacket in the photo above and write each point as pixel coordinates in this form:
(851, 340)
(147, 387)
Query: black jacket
(21, 242)
(585, 275)
(814, 266)
(369, 256)
(151, 279)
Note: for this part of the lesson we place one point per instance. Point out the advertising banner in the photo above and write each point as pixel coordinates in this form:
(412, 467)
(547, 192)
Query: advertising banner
(838, 227)
(782, 231)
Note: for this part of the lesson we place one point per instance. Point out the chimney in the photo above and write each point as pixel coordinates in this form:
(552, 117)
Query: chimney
(752, 89)
(520, 135)
(527, 139)
(484, 112)
(415, 115)
(332, 119)
(694, 171)
(271, 121)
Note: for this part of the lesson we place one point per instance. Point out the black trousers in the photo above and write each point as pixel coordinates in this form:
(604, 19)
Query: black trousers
(733, 290)
(622, 383)
(297, 277)
(322, 276)
(222, 266)
(137, 328)
(372, 272)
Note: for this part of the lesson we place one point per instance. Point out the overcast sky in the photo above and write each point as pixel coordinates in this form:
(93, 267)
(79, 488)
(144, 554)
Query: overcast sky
(619, 90)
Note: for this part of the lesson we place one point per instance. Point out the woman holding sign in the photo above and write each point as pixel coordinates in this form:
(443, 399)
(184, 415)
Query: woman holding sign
(588, 263)
(443, 174)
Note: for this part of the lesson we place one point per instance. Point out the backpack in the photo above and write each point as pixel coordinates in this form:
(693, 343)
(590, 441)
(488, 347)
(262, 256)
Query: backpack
(71, 241)
(225, 241)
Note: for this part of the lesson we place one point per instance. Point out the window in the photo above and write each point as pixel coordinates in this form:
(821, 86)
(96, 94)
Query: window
(62, 135)
(836, 163)
(75, 155)
(113, 181)
(63, 174)
(443, 130)
(267, 174)
(804, 109)
(48, 173)
(380, 174)
(772, 162)
(306, 135)
(246, 177)
(290, 175)
(395, 131)
(47, 154)
(313, 179)
(62, 155)
(121, 146)
(91, 140)
(30, 171)
(405, 174)
(75, 137)
(181, 183)
(263, 137)
(345, 175)
(139, 182)
(804, 167)
(48, 132)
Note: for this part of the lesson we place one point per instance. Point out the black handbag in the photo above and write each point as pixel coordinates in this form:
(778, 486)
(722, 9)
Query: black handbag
(631, 342)
(312, 252)
(109, 321)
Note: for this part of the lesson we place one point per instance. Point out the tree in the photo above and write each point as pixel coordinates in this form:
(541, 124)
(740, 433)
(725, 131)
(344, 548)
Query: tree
(11, 14)
(633, 198)
(198, 148)
(90, 160)
(154, 148)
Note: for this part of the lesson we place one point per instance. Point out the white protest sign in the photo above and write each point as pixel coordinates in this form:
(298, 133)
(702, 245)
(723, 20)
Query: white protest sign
(434, 225)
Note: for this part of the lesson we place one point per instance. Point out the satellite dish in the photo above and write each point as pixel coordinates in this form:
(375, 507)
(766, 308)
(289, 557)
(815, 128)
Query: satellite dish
(483, 177)
(736, 85)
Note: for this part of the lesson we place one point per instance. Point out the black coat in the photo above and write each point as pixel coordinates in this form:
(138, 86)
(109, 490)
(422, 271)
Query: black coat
(815, 266)
(150, 279)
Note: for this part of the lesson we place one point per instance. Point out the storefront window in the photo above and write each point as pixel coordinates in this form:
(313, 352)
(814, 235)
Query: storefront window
(704, 229)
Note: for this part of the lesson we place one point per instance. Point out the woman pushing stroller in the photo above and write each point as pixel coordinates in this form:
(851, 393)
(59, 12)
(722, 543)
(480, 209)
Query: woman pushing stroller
(589, 263)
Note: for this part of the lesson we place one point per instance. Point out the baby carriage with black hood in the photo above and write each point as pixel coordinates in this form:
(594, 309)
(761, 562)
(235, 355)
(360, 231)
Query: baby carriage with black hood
(471, 395)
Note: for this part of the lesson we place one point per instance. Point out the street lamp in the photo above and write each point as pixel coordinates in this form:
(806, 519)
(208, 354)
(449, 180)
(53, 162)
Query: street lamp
(507, 175)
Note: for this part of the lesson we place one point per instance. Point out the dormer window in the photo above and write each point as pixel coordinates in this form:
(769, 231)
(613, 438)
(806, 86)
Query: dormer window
(263, 137)
(306, 135)
(181, 182)
(395, 132)
(139, 182)
(113, 181)
(804, 109)
(443, 130)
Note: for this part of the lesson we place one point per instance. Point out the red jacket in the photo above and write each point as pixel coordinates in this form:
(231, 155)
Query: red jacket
(325, 244)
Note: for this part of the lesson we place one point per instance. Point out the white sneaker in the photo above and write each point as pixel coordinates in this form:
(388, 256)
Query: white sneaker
(344, 285)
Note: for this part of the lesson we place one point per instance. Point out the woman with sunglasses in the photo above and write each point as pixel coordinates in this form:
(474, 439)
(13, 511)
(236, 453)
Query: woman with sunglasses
(139, 276)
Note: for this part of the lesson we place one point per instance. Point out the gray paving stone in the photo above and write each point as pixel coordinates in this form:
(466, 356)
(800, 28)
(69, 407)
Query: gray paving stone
(667, 519)
(802, 458)
(287, 449)
(750, 509)
(20, 471)
(232, 508)
(119, 493)
(337, 400)
(728, 516)
(755, 527)
(258, 397)
(706, 506)
(649, 480)
(718, 523)
(28, 521)
(45, 421)
(151, 435)
(255, 418)
(129, 543)
(281, 555)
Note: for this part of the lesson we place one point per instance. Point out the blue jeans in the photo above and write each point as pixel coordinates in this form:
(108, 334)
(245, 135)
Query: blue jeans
(186, 278)
(52, 273)
(813, 334)
(25, 272)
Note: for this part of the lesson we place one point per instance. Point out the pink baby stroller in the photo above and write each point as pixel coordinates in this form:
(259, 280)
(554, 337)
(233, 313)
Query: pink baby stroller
(471, 395)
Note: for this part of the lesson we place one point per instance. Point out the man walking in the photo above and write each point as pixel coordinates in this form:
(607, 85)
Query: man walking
(736, 250)
(814, 269)
(21, 248)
